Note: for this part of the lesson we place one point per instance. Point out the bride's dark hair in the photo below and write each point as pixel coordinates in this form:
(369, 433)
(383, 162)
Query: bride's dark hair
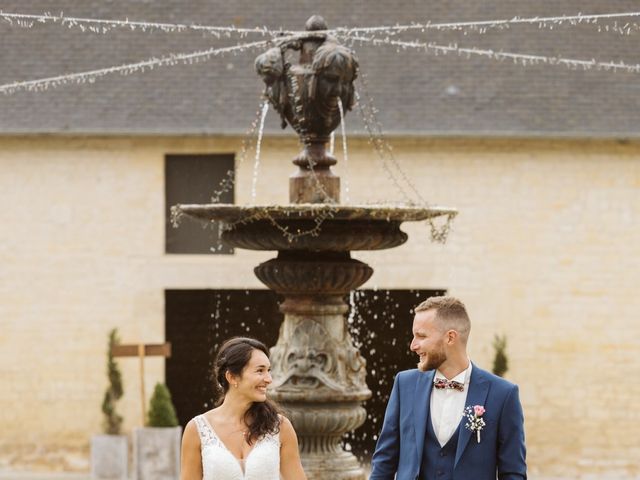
(234, 354)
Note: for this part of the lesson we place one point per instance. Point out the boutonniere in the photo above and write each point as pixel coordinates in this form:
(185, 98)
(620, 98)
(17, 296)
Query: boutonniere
(475, 423)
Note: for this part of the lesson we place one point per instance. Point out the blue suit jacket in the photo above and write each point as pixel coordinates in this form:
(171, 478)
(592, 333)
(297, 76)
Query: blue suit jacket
(501, 451)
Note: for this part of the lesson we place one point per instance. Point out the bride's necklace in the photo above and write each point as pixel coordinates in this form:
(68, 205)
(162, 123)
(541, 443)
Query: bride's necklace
(243, 431)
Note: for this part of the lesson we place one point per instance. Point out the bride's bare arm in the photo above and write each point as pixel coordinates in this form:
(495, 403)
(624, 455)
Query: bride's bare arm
(191, 459)
(290, 466)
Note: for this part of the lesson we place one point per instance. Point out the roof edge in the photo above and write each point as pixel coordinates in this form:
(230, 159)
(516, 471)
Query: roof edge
(534, 135)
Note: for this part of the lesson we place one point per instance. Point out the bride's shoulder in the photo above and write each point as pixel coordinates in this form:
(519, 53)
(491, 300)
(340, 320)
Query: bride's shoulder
(286, 428)
(284, 421)
(209, 416)
(191, 435)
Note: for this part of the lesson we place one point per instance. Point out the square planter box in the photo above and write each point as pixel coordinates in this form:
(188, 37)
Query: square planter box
(109, 457)
(156, 453)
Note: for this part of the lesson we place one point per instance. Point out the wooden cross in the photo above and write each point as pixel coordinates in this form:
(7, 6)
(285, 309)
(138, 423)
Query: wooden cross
(141, 351)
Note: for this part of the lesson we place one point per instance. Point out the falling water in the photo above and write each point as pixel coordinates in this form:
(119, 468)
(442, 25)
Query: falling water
(332, 142)
(214, 320)
(344, 151)
(256, 164)
(352, 307)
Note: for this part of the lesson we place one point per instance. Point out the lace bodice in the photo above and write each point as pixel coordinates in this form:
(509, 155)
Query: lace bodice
(218, 463)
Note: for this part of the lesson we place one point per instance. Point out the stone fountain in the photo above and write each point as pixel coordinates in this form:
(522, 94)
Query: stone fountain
(319, 375)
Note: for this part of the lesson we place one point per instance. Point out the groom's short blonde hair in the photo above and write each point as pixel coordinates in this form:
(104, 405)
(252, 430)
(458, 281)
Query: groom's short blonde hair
(451, 314)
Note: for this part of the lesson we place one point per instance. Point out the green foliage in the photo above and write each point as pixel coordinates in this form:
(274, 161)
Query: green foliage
(162, 413)
(112, 422)
(500, 360)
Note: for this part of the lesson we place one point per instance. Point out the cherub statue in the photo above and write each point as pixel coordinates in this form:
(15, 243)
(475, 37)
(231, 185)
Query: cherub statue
(270, 66)
(335, 68)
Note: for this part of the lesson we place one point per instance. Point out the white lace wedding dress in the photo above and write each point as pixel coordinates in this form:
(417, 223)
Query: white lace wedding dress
(218, 463)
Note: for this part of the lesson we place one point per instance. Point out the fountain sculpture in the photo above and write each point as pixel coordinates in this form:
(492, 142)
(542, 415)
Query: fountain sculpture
(319, 375)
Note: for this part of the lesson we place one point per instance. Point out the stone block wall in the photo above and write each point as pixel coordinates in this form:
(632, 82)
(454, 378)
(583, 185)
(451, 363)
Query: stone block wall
(545, 250)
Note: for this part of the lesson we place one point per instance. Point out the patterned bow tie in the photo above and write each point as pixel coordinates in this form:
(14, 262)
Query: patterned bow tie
(441, 383)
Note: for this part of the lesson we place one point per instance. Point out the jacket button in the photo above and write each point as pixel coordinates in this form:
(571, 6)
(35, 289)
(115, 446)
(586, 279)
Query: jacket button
(440, 473)
(443, 454)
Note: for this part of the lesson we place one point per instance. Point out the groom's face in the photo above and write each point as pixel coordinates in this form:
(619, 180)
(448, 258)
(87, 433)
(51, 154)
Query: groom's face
(428, 341)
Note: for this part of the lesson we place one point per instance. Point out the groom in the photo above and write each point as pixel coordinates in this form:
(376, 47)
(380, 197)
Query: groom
(449, 419)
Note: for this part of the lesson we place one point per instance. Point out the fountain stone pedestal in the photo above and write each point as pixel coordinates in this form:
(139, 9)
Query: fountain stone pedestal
(319, 375)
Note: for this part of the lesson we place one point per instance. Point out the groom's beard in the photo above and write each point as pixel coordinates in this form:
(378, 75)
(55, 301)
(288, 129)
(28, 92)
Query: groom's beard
(433, 360)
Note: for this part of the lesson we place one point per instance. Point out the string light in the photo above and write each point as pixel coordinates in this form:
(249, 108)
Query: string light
(484, 25)
(352, 34)
(227, 183)
(98, 25)
(382, 146)
(323, 211)
(375, 139)
(391, 165)
(518, 58)
(174, 59)
(127, 69)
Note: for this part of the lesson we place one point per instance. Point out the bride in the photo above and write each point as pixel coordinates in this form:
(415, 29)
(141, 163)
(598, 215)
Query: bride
(244, 437)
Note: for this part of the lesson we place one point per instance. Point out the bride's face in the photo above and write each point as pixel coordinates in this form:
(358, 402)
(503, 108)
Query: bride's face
(255, 377)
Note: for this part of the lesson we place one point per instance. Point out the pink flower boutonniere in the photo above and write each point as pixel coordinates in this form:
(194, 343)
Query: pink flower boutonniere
(475, 423)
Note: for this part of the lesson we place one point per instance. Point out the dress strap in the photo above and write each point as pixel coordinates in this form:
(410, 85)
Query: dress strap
(207, 437)
(271, 438)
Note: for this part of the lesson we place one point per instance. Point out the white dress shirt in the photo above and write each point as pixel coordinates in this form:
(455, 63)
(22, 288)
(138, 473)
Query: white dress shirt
(447, 406)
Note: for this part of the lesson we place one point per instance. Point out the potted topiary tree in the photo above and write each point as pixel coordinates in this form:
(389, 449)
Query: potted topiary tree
(157, 446)
(109, 452)
(500, 360)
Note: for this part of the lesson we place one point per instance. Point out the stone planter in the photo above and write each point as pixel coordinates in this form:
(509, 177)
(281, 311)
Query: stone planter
(156, 453)
(109, 457)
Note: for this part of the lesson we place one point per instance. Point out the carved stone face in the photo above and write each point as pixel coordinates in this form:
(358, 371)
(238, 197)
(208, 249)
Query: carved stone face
(335, 69)
(307, 366)
(331, 83)
(269, 66)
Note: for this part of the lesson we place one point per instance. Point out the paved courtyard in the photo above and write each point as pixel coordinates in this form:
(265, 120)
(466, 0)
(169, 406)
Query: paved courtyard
(43, 476)
(81, 476)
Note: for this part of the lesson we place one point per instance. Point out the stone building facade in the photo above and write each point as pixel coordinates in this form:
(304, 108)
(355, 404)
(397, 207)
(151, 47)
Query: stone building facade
(544, 250)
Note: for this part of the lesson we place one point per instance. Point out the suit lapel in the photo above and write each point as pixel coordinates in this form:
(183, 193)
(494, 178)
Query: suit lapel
(478, 390)
(421, 404)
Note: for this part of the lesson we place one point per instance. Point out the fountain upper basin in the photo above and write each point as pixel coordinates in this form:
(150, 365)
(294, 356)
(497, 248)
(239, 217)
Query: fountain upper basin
(312, 227)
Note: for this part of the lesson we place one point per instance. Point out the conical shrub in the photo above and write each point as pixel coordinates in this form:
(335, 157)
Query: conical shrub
(500, 360)
(162, 413)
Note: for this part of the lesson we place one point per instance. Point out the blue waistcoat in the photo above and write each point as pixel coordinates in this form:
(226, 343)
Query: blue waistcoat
(438, 462)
